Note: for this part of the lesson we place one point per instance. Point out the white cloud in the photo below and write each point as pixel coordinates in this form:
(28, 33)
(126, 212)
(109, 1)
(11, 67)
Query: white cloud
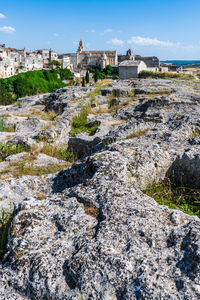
(2, 16)
(141, 41)
(116, 42)
(108, 30)
(7, 29)
(55, 34)
(91, 30)
(75, 43)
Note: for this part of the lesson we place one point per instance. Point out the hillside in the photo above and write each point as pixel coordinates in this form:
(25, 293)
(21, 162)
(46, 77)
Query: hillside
(100, 192)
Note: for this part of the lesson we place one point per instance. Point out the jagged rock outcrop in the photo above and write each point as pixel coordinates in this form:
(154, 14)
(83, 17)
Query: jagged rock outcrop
(89, 232)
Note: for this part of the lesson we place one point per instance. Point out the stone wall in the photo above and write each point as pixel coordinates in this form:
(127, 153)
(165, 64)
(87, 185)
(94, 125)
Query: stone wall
(128, 72)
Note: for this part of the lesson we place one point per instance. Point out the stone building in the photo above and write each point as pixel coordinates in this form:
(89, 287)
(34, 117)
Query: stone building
(131, 68)
(129, 56)
(87, 59)
(152, 62)
(47, 56)
(64, 61)
(168, 67)
(7, 67)
(3, 50)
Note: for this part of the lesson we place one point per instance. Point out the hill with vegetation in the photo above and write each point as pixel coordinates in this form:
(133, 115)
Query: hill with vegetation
(32, 83)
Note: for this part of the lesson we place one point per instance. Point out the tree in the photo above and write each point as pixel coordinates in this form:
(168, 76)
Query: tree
(96, 75)
(87, 77)
(83, 81)
(20, 85)
(5, 97)
(54, 63)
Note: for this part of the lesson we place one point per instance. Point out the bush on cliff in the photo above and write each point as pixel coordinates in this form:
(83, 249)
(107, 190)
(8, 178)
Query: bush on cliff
(32, 83)
(109, 71)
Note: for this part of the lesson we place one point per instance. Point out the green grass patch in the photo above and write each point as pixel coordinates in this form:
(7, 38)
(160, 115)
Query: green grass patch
(80, 123)
(164, 75)
(10, 149)
(94, 93)
(25, 168)
(59, 153)
(4, 128)
(175, 196)
(5, 222)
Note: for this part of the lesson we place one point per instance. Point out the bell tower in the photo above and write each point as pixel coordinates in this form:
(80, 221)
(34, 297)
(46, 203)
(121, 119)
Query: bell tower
(80, 47)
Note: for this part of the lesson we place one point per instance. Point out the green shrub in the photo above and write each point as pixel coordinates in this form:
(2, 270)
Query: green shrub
(79, 122)
(32, 83)
(175, 196)
(10, 149)
(54, 151)
(5, 222)
(5, 96)
(109, 71)
(165, 75)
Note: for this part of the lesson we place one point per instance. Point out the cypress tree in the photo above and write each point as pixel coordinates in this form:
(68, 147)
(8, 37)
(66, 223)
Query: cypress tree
(83, 81)
(87, 77)
(96, 75)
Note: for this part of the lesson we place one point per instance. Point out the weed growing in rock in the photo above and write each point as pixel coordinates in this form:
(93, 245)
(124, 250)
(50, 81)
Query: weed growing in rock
(80, 122)
(4, 128)
(5, 222)
(91, 210)
(194, 133)
(137, 134)
(175, 196)
(10, 149)
(24, 168)
(42, 137)
(49, 115)
(57, 152)
(94, 93)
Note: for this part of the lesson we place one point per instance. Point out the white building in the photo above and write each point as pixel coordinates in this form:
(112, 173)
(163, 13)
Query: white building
(3, 51)
(47, 56)
(7, 68)
(32, 62)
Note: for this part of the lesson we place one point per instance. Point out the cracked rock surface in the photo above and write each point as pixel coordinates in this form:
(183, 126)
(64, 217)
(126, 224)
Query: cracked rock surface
(131, 247)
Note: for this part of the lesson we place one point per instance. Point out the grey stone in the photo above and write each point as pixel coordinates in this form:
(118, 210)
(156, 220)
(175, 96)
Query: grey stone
(94, 234)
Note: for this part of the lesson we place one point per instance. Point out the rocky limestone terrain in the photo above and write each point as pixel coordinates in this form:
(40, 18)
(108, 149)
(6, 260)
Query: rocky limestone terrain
(88, 231)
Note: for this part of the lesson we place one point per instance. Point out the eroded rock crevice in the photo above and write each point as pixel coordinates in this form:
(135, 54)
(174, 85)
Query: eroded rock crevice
(89, 231)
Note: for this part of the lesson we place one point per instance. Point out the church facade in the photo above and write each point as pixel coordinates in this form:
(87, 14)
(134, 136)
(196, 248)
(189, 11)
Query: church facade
(88, 59)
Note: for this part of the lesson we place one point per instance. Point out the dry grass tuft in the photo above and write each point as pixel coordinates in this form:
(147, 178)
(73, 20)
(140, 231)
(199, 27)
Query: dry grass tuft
(49, 115)
(91, 210)
(137, 134)
(194, 133)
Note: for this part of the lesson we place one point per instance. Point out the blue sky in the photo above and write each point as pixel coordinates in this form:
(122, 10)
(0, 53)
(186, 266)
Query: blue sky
(168, 29)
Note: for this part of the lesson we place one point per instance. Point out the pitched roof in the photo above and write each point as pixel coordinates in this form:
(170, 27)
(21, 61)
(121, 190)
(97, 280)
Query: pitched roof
(130, 63)
(150, 61)
(100, 52)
